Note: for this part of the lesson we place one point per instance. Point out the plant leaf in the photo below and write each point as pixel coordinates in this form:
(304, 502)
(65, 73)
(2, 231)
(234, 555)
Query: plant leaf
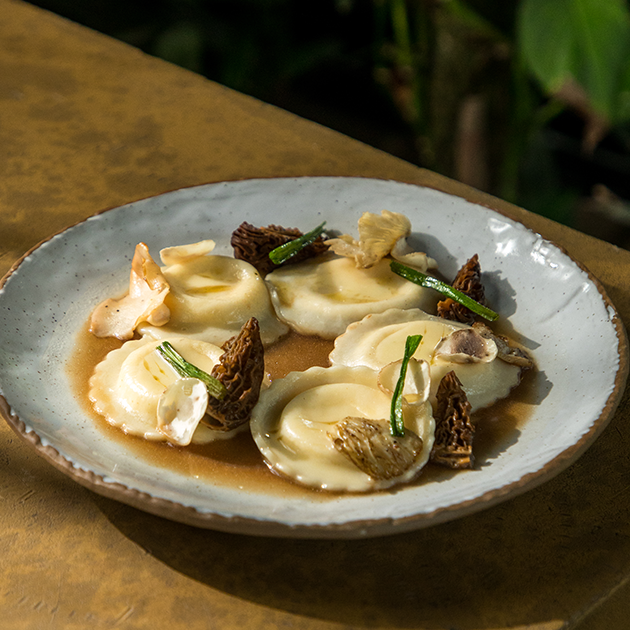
(587, 41)
(603, 31)
(547, 41)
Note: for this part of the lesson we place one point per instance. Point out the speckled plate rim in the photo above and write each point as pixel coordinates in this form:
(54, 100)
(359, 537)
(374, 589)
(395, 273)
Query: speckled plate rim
(346, 529)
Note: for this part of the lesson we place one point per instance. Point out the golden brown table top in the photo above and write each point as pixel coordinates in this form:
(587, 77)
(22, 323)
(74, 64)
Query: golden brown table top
(87, 123)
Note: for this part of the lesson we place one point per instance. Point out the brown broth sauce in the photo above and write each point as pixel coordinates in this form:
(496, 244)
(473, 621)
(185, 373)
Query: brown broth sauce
(237, 462)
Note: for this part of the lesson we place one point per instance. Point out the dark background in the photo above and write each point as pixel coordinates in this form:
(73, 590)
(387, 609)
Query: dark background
(342, 63)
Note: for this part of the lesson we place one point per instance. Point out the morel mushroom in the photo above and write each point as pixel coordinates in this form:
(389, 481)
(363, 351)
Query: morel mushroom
(506, 352)
(454, 430)
(253, 245)
(468, 281)
(370, 447)
(240, 370)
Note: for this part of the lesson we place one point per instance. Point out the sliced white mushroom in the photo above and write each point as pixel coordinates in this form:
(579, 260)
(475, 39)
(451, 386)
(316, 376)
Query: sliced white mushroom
(403, 253)
(466, 346)
(180, 410)
(417, 385)
(144, 302)
(506, 351)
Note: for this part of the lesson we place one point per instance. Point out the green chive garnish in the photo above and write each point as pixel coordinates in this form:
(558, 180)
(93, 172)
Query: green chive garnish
(215, 388)
(396, 417)
(282, 253)
(430, 282)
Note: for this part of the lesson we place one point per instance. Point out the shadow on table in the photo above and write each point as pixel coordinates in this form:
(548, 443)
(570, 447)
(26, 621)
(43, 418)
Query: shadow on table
(541, 557)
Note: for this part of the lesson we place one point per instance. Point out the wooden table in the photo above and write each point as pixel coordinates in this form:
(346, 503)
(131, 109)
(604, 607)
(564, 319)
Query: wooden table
(88, 123)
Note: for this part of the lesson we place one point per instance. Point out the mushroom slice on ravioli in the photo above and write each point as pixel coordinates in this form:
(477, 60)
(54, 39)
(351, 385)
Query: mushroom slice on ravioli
(323, 296)
(380, 236)
(143, 302)
(328, 428)
(379, 339)
(127, 385)
(211, 297)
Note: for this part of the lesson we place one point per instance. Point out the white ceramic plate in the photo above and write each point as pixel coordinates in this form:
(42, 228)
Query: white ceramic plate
(563, 314)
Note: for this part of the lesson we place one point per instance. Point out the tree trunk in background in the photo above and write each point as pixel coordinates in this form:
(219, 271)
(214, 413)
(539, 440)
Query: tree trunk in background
(470, 103)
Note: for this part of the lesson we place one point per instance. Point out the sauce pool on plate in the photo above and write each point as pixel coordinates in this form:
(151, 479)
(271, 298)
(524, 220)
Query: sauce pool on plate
(237, 463)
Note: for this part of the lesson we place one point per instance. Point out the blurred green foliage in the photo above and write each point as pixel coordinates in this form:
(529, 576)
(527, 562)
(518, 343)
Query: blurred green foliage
(584, 41)
(548, 80)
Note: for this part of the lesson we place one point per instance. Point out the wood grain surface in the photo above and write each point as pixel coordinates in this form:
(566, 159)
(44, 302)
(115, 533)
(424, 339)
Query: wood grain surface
(88, 123)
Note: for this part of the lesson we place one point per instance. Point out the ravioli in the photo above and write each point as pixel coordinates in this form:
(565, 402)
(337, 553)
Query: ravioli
(211, 297)
(325, 428)
(294, 419)
(379, 339)
(323, 296)
(126, 386)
